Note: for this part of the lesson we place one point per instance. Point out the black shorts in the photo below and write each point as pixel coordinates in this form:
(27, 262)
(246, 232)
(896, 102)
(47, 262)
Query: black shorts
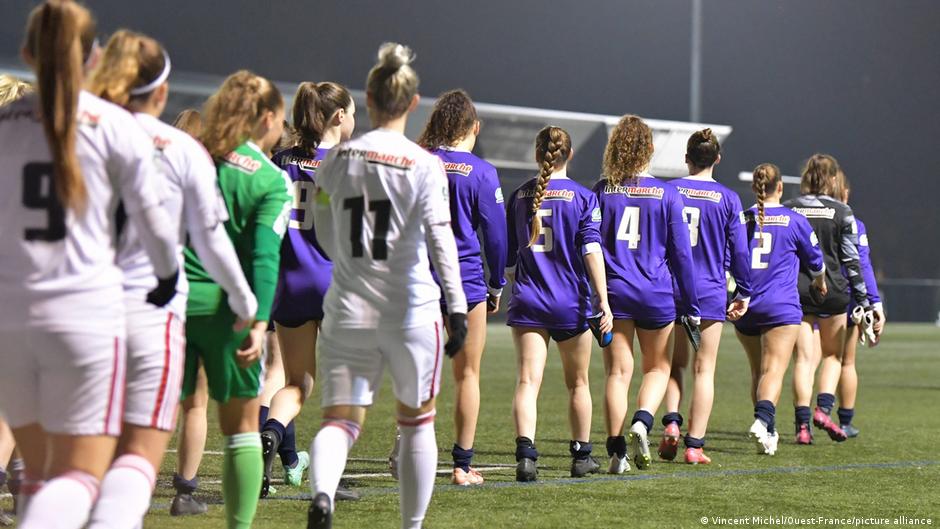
(560, 335)
(291, 324)
(651, 325)
(834, 303)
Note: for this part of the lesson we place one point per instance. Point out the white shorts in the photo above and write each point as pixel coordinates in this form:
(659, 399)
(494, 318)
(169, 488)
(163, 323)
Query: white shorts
(351, 362)
(156, 355)
(70, 383)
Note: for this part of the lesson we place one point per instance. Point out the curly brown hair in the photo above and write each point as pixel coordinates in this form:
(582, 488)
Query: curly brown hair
(766, 178)
(702, 149)
(232, 113)
(552, 150)
(452, 118)
(819, 174)
(629, 150)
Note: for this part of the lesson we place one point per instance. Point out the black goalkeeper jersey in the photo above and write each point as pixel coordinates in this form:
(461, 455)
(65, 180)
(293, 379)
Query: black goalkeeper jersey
(835, 227)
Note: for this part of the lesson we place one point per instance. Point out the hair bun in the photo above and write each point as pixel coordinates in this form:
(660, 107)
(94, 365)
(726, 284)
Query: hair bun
(707, 135)
(394, 55)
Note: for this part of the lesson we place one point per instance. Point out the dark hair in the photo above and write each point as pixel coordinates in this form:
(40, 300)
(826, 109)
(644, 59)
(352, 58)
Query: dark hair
(452, 118)
(130, 60)
(819, 174)
(60, 35)
(314, 106)
(766, 179)
(629, 149)
(702, 149)
(392, 82)
(233, 112)
(190, 122)
(287, 139)
(552, 150)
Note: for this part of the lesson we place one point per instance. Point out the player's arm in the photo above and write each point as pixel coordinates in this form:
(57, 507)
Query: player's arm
(864, 257)
(493, 225)
(589, 240)
(322, 213)
(848, 249)
(270, 224)
(737, 258)
(512, 244)
(132, 162)
(679, 254)
(204, 213)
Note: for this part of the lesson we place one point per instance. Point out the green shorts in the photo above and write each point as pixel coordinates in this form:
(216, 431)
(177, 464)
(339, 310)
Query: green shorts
(212, 340)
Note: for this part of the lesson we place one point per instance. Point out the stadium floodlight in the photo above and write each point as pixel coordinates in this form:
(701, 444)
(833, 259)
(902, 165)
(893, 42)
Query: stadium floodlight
(748, 176)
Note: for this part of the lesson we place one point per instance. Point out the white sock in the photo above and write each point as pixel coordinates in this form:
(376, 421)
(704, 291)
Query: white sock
(125, 494)
(328, 452)
(63, 503)
(417, 467)
(29, 486)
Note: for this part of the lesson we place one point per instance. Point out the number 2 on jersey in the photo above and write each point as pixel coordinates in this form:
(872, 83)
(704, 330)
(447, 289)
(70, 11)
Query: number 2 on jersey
(692, 217)
(39, 193)
(383, 214)
(761, 250)
(629, 228)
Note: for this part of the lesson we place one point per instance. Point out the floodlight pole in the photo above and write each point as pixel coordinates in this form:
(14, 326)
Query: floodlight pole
(695, 75)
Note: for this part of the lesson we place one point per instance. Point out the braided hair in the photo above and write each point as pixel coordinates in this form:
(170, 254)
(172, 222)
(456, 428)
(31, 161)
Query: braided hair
(766, 177)
(552, 150)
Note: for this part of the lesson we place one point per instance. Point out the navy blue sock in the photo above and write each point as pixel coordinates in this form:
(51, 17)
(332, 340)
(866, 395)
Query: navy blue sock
(3, 477)
(766, 411)
(462, 457)
(846, 415)
(526, 448)
(287, 450)
(274, 425)
(617, 446)
(262, 417)
(672, 416)
(185, 486)
(825, 402)
(580, 449)
(694, 442)
(644, 417)
(803, 414)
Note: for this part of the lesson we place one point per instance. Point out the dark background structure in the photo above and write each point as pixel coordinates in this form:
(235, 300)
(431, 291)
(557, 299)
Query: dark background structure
(859, 79)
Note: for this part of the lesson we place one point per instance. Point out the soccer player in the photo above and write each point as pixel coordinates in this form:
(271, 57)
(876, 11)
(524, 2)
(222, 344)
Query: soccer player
(848, 379)
(323, 116)
(242, 120)
(834, 225)
(382, 204)
(646, 243)
(782, 243)
(555, 246)
(133, 73)
(716, 231)
(476, 203)
(69, 157)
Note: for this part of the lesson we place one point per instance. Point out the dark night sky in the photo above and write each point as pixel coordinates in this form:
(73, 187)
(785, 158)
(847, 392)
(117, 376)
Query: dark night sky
(859, 79)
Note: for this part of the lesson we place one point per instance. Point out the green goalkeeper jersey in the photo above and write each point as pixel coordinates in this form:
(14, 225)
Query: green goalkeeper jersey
(258, 198)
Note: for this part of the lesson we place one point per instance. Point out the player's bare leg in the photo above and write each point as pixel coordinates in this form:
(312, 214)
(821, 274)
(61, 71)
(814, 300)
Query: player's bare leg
(804, 373)
(832, 332)
(618, 368)
(575, 360)
(32, 451)
(672, 419)
(752, 348)
(466, 369)
(848, 383)
(777, 345)
(191, 445)
(703, 392)
(656, 348)
(531, 354)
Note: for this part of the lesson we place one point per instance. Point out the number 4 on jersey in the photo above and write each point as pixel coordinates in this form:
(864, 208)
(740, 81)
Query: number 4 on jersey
(629, 228)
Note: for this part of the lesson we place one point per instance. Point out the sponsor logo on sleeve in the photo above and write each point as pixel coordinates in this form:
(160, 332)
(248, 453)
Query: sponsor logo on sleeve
(863, 239)
(499, 195)
(742, 217)
(813, 238)
(596, 215)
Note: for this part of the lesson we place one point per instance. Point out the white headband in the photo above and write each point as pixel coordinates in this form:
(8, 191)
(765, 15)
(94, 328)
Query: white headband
(150, 87)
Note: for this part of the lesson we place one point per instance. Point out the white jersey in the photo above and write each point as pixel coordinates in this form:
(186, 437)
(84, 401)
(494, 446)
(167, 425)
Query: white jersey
(384, 190)
(57, 267)
(191, 195)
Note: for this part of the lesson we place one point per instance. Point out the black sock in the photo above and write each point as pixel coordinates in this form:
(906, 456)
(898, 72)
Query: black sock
(644, 417)
(803, 414)
(462, 457)
(525, 448)
(580, 449)
(672, 416)
(617, 445)
(825, 402)
(845, 416)
(765, 411)
(287, 449)
(694, 442)
(3, 477)
(185, 486)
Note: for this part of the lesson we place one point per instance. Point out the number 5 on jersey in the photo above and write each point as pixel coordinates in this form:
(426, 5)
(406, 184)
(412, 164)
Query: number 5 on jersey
(548, 240)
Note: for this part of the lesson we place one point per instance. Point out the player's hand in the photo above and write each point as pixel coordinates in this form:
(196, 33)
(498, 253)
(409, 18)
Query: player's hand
(692, 330)
(245, 307)
(250, 351)
(819, 283)
(737, 308)
(164, 291)
(456, 334)
(607, 318)
(240, 324)
(492, 303)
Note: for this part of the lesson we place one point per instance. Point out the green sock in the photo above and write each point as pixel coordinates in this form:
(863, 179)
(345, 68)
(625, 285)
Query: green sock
(241, 478)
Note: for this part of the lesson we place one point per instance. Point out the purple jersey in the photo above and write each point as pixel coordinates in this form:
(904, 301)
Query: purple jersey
(476, 203)
(551, 289)
(777, 253)
(719, 242)
(645, 243)
(864, 260)
(305, 268)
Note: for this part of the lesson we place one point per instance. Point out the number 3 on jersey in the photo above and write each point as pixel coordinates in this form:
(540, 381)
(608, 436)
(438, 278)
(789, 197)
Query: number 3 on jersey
(761, 250)
(383, 214)
(692, 217)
